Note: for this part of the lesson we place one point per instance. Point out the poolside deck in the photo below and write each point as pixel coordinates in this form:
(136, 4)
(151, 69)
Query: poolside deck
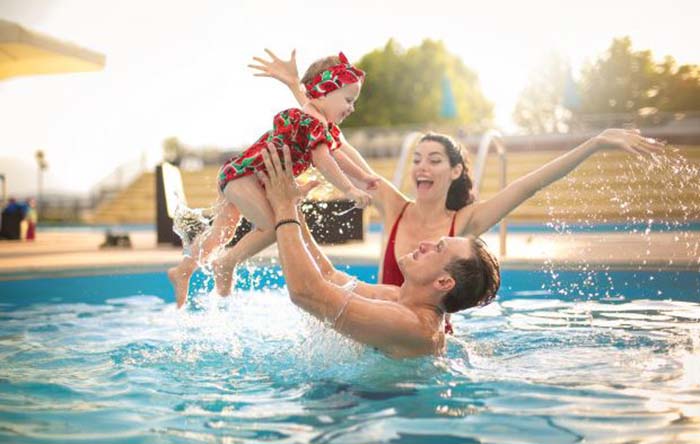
(61, 252)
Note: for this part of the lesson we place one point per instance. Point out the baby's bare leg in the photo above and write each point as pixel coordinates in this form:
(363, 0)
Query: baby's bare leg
(221, 232)
(249, 245)
(226, 218)
(249, 197)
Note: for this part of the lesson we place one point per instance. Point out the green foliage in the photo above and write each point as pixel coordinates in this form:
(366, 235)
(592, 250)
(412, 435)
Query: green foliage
(680, 86)
(404, 87)
(173, 149)
(539, 108)
(619, 84)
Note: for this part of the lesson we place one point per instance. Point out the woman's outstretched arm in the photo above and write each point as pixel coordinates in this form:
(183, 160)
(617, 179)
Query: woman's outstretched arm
(483, 215)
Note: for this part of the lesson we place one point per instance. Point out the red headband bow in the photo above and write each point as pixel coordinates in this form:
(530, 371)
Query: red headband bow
(334, 78)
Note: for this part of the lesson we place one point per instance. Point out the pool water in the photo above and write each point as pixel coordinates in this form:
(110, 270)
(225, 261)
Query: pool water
(109, 359)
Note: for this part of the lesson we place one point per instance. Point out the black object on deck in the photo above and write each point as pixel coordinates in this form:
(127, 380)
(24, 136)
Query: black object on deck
(330, 222)
(10, 225)
(167, 186)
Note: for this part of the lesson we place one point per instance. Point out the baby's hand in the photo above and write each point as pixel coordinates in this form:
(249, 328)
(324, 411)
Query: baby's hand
(284, 71)
(360, 198)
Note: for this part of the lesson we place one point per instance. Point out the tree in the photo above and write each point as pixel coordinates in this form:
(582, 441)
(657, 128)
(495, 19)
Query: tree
(540, 107)
(173, 150)
(620, 86)
(680, 87)
(405, 87)
(621, 81)
(624, 82)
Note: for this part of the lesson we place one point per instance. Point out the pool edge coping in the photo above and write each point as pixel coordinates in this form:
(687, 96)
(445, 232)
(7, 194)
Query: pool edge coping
(515, 264)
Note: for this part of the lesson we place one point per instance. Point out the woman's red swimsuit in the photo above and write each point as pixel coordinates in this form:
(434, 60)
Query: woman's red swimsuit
(391, 274)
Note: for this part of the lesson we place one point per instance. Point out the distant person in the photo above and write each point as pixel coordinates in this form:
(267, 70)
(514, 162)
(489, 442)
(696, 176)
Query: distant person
(31, 217)
(332, 86)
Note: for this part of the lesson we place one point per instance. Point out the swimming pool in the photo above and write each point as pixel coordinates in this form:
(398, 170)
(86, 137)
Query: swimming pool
(107, 358)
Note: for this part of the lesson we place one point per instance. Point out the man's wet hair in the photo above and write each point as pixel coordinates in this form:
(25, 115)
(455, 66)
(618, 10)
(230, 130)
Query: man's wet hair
(477, 279)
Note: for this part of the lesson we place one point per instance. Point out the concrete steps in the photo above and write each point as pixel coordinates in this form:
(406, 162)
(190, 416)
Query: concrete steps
(609, 186)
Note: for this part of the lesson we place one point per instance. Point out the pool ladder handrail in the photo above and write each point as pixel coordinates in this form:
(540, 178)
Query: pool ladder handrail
(490, 137)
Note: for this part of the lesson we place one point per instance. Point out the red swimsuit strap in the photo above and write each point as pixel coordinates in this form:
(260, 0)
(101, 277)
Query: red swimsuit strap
(390, 269)
(395, 228)
(391, 273)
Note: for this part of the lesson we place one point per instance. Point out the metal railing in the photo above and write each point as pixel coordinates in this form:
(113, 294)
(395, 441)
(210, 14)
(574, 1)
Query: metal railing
(3, 193)
(493, 138)
(117, 180)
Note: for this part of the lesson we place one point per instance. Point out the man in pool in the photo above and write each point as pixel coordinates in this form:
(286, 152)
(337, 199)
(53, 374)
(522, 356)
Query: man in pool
(407, 321)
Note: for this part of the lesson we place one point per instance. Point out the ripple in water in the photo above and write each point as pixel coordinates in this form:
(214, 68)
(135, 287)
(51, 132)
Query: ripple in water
(253, 368)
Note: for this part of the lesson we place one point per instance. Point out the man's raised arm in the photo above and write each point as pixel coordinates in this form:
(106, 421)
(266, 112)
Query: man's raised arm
(389, 326)
(305, 282)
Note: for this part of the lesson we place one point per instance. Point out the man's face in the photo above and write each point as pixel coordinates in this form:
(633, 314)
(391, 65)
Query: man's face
(427, 262)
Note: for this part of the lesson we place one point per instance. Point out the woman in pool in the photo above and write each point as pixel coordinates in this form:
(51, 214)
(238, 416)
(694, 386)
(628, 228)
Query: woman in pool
(444, 204)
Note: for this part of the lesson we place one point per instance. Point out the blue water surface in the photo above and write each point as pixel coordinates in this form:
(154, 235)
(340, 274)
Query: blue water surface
(560, 357)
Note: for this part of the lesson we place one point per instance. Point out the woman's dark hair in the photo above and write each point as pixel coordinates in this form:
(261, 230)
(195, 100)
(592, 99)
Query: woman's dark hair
(461, 192)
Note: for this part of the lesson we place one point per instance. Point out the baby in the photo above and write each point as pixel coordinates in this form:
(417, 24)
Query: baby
(332, 86)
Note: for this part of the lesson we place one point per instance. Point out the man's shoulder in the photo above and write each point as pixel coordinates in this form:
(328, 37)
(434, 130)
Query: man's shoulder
(422, 338)
(378, 291)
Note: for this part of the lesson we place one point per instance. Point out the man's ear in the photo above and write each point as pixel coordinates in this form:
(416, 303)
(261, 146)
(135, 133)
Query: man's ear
(444, 283)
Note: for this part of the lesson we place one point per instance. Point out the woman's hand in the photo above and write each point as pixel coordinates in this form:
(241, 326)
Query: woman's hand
(487, 213)
(358, 196)
(371, 181)
(284, 71)
(628, 140)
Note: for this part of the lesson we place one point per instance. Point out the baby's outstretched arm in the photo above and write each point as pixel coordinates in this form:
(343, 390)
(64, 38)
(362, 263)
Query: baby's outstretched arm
(324, 161)
(284, 71)
(355, 171)
(355, 156)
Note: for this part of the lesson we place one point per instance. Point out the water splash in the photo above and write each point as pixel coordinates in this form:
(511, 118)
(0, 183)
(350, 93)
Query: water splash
(189, 224)
(252, 367)
(656, 198)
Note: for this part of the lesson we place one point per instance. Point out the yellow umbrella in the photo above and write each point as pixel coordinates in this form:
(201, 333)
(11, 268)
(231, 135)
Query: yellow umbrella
(24, 52)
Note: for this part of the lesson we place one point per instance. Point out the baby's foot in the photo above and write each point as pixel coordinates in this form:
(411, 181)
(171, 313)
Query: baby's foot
(181, 284)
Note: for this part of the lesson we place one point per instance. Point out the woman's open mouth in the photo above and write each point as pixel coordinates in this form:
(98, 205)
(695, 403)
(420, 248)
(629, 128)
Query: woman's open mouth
(423, 184)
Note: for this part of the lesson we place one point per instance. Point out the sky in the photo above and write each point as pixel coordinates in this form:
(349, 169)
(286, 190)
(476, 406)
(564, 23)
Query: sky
(178, 68)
